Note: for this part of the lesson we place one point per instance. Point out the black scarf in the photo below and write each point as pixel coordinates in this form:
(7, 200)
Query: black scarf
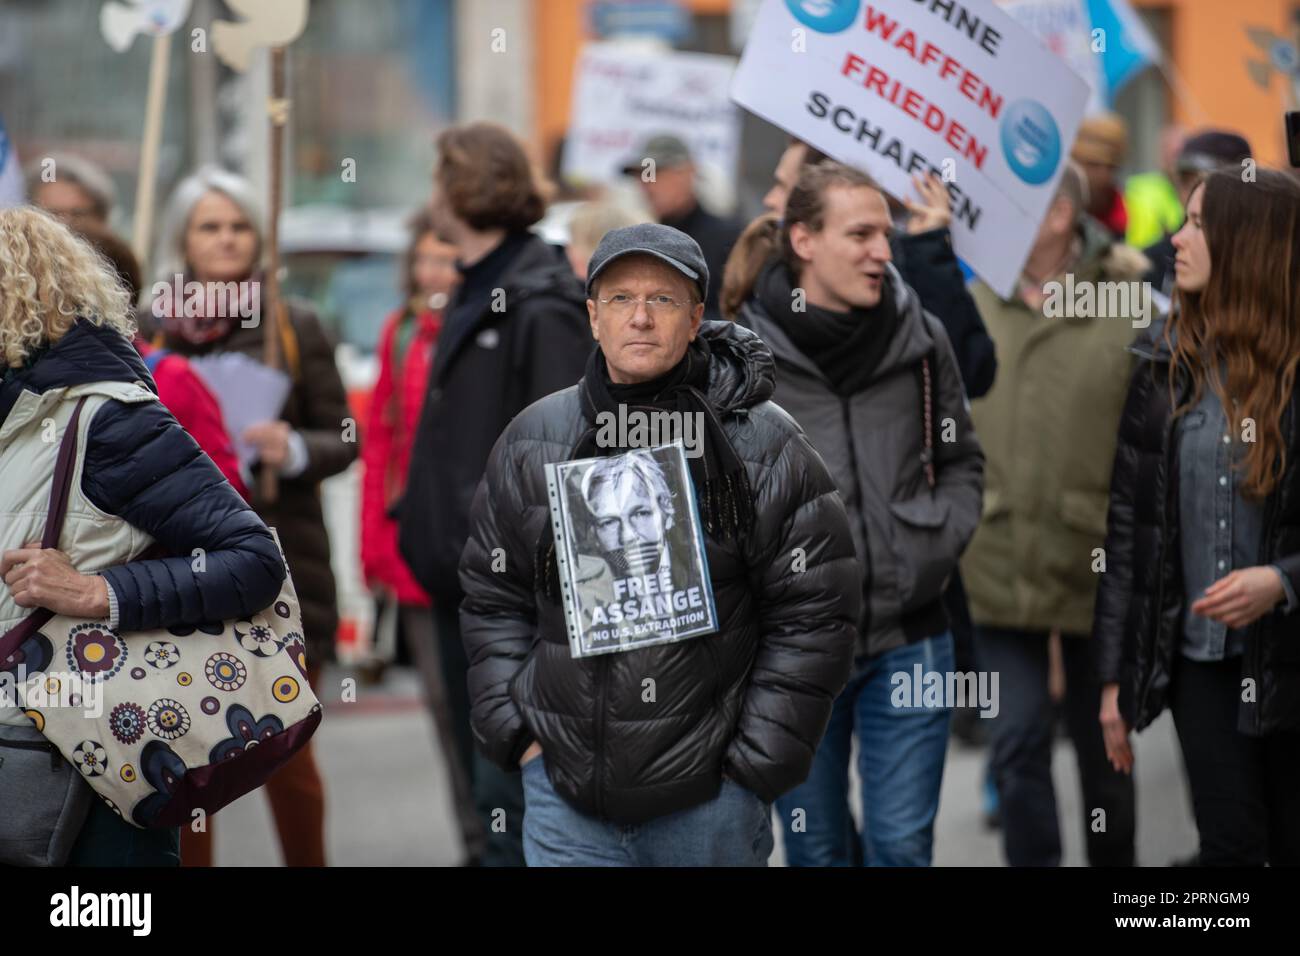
(846, 346)
(721, 486)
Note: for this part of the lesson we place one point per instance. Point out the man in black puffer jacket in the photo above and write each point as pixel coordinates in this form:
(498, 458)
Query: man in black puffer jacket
(690, 741)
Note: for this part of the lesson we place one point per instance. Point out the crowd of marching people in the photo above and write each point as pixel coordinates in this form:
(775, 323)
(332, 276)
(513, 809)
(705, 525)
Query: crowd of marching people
(899, 471)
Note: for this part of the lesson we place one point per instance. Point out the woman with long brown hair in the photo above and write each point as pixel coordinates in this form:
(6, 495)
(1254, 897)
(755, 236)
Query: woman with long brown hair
(1195, 610)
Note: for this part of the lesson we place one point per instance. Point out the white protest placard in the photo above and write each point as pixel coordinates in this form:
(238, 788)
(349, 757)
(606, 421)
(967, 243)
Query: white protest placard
(624, 95)
(247, 391)
(1064, 27)
(903, 88)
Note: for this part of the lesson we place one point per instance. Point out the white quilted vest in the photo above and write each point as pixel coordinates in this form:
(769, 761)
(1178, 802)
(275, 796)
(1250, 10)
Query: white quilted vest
(29, 447)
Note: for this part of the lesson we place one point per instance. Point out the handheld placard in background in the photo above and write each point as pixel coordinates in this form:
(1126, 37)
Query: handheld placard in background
(899, 89)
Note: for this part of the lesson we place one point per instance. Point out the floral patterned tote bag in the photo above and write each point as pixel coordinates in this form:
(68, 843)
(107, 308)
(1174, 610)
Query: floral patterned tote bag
(165, 723)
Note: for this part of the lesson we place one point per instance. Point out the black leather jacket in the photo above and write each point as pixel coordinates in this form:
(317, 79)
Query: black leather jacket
(532, 340)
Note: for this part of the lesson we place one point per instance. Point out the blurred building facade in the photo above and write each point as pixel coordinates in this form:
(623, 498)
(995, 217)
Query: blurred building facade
(1211, 46)
(372, 81)
(369, 82)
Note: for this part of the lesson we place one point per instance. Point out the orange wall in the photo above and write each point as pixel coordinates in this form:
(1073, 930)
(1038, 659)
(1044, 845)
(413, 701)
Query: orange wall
(560, 26)
(1209, 48)
(561, 29)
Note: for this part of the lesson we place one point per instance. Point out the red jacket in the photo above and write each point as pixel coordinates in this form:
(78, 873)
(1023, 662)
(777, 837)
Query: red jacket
(192, 403)
(1116, 217)
(386, 452)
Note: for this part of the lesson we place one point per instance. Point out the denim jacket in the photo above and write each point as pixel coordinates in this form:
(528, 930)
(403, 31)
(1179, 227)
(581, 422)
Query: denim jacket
(1220, 527)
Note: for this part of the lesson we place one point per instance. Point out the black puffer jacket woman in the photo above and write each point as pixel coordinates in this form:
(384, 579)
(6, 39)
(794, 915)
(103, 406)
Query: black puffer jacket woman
(1199, 605)
(1140, 601)
(750, 701)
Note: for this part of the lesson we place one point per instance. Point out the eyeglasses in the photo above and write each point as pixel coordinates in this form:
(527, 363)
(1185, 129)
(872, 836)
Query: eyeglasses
(621, 305)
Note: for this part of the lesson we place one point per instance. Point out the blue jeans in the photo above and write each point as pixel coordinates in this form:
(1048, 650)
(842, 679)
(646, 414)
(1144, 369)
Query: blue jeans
(900, 763)
(733, 829)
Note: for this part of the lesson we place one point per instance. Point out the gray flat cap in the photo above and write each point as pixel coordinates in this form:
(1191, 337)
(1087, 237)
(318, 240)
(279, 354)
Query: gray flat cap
(651, 239)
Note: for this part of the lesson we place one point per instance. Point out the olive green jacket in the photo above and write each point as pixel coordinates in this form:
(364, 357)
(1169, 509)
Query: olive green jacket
(1048, 428)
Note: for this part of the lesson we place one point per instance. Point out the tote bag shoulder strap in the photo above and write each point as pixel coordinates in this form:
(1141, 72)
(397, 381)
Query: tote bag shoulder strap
(60, 490)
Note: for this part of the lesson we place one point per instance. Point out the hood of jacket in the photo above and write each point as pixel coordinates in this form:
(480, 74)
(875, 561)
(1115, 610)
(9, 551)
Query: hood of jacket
(89, 359)
(1104, 257)
(540, 269)
(741, 370)
(911, 341)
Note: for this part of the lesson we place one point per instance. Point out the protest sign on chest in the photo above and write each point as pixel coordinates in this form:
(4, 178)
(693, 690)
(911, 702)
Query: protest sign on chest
(630, 551)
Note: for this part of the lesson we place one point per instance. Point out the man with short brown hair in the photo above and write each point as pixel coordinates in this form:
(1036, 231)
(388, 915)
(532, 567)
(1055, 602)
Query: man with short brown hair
(514, 331)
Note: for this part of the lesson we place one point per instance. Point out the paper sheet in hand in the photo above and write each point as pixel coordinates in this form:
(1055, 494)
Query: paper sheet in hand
(247, 391)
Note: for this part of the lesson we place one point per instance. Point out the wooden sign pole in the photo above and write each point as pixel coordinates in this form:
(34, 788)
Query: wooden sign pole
(155, 105)
(278, 108)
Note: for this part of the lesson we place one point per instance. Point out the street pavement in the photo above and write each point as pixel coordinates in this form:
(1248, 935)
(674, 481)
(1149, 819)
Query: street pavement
(388, 802)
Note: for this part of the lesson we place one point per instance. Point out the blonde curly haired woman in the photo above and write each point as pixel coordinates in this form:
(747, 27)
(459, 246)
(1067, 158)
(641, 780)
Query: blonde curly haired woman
(139, 480)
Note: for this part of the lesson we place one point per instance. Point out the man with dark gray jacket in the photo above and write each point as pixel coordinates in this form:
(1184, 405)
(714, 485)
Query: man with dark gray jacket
(513, 332)
(872, 379)
(668, 754)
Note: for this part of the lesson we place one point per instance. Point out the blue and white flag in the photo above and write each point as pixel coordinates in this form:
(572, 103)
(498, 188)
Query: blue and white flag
(11, 177)
(1104, 41)
(1130, 47)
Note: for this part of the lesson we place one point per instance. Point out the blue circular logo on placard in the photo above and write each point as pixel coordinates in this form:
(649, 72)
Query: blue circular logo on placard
(1031, 141)
(825, 16)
